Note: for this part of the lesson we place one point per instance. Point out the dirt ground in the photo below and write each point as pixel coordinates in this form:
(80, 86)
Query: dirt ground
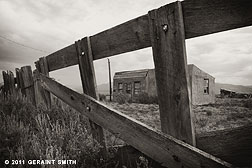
(225, 113)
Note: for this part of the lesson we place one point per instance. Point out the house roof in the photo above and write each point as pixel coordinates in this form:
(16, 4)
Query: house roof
(131, 74)
(190, 66)
(143, 73)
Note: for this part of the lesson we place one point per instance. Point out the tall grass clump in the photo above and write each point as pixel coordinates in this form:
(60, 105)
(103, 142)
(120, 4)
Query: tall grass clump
(248, 103)
(122, 98)
(144, 98)
(30, 133)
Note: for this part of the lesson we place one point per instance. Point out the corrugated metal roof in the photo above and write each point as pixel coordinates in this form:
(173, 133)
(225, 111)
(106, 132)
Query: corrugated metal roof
(131, 74)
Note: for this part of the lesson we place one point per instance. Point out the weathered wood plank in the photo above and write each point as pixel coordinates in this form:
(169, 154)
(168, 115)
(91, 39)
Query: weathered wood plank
(11, 82)
(18, 78)
(21, 82)
(6, 84)
(87, 73)
(169, 53)
(62, 58)
(232, 145)
(129, 36)
(27, 83)
(161, 147)
(42, 97)
(201, 17)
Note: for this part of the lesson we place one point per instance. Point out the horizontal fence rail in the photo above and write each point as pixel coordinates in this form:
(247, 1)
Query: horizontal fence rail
(225, 144)
(232, 145)
(201, 17)
(163, 148)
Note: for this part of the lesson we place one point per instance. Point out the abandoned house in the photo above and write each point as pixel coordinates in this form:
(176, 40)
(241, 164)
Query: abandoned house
(133, 83)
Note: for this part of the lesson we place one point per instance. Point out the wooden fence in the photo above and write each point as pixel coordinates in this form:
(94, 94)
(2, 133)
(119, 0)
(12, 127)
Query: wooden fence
(165, 30)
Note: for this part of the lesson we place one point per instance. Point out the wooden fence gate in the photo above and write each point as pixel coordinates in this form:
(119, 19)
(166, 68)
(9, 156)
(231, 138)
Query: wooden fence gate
(165, 30)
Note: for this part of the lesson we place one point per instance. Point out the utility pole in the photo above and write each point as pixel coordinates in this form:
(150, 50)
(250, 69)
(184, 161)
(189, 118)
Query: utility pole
(110, 87)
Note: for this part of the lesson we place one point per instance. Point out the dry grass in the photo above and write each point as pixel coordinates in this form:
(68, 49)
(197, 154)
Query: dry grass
(60, 133)
(225, 113)
(146, 113)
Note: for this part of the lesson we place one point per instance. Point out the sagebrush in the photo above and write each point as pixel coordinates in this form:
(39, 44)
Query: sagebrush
(59, 133)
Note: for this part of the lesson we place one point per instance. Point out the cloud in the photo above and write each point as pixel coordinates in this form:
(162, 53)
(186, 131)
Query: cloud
(50, 25)
(226, 55)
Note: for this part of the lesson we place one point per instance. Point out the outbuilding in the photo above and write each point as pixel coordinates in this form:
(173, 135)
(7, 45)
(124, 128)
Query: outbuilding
(133, 83)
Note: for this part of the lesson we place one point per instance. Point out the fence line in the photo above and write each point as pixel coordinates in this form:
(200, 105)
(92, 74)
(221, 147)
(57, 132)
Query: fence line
(225, 144)
(201, 17)
(162, 148)
(165, 30)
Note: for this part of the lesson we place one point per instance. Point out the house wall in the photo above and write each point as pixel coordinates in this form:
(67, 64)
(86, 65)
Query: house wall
(128, 81)
(197, 86)
(190, 69)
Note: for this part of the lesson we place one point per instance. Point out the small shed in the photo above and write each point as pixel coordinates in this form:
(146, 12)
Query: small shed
(202, 86)
(133, 83)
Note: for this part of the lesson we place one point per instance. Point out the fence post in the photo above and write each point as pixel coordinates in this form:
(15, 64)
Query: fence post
(27, 83)
(86, 67)
(6, 85)
(11, 82)
(168, 45)
(18, 79)
(42, 96)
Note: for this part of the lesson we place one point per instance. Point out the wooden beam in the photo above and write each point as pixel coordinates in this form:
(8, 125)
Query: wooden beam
(11, 82)
(27, 83)
(18, 78)
(232, 145)
(42, 97)
(87, 73)
(201, 17)
(129, 36)
(63, 58)
(6, 84)
(168, 45)
(42, 66)
(163, 148)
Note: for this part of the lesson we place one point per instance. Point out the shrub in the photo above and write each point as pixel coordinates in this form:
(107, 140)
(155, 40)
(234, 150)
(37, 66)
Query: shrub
(102, 97)
(209, 113)
(60, 133)
(144, 98)
(248, 104)
(201, 121)
(122, 98)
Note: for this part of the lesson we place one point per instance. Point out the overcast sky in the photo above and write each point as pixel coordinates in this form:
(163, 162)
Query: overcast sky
(49, 25)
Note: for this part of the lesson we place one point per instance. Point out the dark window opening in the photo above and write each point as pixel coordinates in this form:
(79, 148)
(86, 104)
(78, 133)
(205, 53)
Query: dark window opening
(137, 88)
(128, 88)
(120, 87)
(206, 86)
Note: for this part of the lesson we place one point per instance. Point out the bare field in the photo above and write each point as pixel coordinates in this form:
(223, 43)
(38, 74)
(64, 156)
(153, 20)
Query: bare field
(225, 113)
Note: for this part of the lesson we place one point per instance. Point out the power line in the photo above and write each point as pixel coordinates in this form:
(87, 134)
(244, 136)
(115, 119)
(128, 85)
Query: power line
(23, 45)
